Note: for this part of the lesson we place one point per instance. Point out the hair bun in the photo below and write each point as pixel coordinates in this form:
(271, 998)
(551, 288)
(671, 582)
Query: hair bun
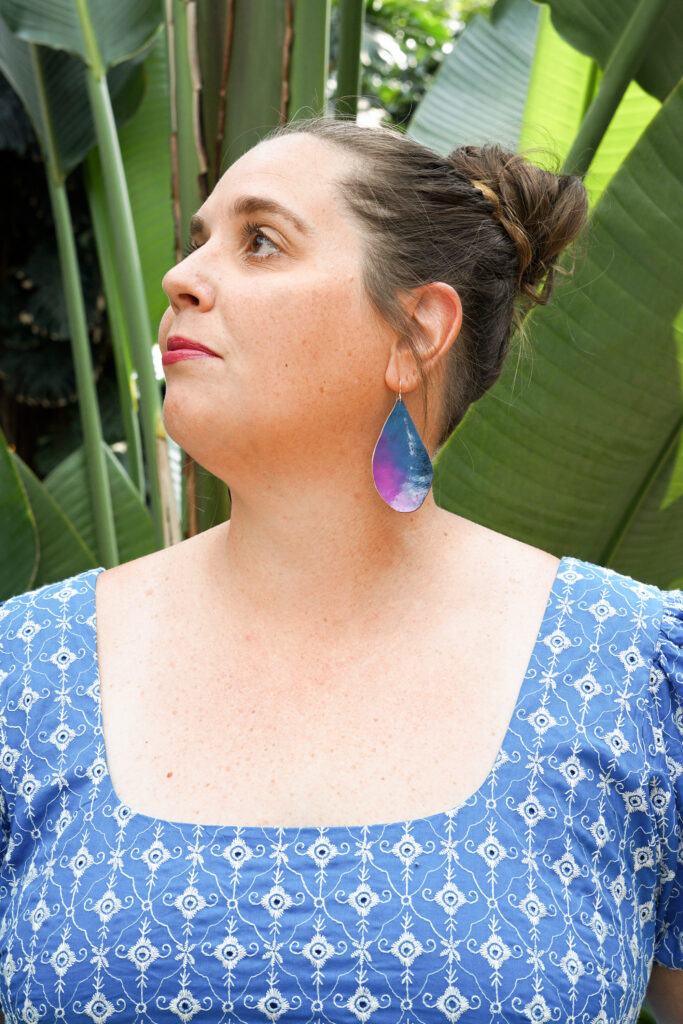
(542, 211)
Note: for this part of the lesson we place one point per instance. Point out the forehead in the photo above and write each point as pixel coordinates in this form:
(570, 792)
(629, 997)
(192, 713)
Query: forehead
(299, 171)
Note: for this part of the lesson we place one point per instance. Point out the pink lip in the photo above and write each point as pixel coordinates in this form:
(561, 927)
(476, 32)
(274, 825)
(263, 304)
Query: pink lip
(185, 353)
(182, 348)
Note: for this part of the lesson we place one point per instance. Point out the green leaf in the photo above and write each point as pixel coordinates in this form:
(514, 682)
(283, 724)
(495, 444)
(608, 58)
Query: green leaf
(562, 84)
(71, 117)
(18, 534)
(62, 551)
(634, 113)
(479, 93)
(583, 455)
(122, 29)
(68, 486)
(594, 29)
(516, 81)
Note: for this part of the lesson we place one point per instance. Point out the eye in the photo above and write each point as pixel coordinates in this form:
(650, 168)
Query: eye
(250, 231)
(253, 231)
(189, 248)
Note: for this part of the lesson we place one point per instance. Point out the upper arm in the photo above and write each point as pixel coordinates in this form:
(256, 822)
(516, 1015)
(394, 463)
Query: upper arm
(665, 994)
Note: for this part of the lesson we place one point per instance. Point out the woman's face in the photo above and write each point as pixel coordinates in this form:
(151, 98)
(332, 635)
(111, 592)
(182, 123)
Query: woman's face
(301, 352)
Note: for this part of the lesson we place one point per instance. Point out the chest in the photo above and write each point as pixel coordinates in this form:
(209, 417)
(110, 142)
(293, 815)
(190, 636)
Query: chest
(267, 732)
(538, 896)
(538, 893)
(452, 912)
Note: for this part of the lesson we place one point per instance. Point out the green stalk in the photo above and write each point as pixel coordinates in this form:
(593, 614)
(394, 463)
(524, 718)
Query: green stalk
(128, 401)
(188, 163)
(255, 90)
(651, 481)
(592, 82)
(164, 515)
(309, 59)
(207, 55)
(98, 479)
(351, 13)
(622, 65)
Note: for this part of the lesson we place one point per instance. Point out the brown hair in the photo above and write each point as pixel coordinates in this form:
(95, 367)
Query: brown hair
(483, 220)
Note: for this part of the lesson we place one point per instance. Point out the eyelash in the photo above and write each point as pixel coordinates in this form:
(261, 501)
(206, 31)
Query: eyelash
(249, 229)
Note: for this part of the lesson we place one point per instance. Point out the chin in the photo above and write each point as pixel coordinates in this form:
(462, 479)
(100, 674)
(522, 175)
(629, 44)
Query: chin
(197, 430)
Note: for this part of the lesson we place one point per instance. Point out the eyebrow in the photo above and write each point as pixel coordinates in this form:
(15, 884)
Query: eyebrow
(250, 205)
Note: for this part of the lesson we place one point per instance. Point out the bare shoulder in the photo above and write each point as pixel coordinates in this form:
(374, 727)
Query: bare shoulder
(518, 553)
(179, 558)
(497, 557)
(151, 577)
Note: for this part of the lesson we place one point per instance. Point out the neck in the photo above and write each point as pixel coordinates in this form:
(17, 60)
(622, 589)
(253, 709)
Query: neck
(333, 561)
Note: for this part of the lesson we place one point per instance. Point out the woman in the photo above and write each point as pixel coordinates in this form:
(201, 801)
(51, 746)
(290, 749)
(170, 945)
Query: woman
(457, 755)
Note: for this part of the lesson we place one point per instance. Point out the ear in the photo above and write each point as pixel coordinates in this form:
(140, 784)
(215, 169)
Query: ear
(436, 310)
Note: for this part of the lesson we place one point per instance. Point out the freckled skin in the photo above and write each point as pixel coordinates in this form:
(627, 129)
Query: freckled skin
(315, 591)
(290, 414)
(290, 326)
(316, 598)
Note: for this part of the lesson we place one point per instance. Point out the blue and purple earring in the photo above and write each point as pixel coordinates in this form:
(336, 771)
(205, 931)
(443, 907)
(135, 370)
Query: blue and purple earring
(401, 466)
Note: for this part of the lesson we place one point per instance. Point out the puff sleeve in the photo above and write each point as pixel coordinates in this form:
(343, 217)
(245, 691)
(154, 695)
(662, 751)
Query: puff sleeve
(666, 684)
(10, 622)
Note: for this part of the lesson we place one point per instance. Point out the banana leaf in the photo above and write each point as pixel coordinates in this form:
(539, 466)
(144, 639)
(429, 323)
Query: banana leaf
(516, 81)
(71, 124)
(577, 448)
(18, 531)
(62, 551)
(67, 484)
(479, 93)
(561, 87)
(593, 30)
(47, 530)
(122, 30)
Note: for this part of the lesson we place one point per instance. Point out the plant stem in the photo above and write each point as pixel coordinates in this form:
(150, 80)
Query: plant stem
(309, 59)
(351, 13)
(98, 479)
(128, 402)
(164, 514)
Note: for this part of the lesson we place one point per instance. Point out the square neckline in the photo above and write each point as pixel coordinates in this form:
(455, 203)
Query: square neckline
(311, 830)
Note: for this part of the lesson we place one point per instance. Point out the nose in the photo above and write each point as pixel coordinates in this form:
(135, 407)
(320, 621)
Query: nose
(186, 288)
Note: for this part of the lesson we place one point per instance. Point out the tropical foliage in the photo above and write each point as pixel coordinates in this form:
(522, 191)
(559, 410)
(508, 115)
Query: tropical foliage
(577, 449)
(403, 44)
(137, 109)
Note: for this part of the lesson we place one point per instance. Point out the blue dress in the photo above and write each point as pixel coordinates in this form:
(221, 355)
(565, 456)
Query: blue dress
(544, 896)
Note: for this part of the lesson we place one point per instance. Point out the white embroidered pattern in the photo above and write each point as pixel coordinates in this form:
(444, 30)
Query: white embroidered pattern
(539, 898)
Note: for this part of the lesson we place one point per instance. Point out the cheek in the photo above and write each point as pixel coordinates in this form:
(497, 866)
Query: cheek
(320, 328)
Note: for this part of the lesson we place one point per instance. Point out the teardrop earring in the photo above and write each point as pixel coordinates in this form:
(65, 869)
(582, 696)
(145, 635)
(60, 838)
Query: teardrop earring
(401, 466)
